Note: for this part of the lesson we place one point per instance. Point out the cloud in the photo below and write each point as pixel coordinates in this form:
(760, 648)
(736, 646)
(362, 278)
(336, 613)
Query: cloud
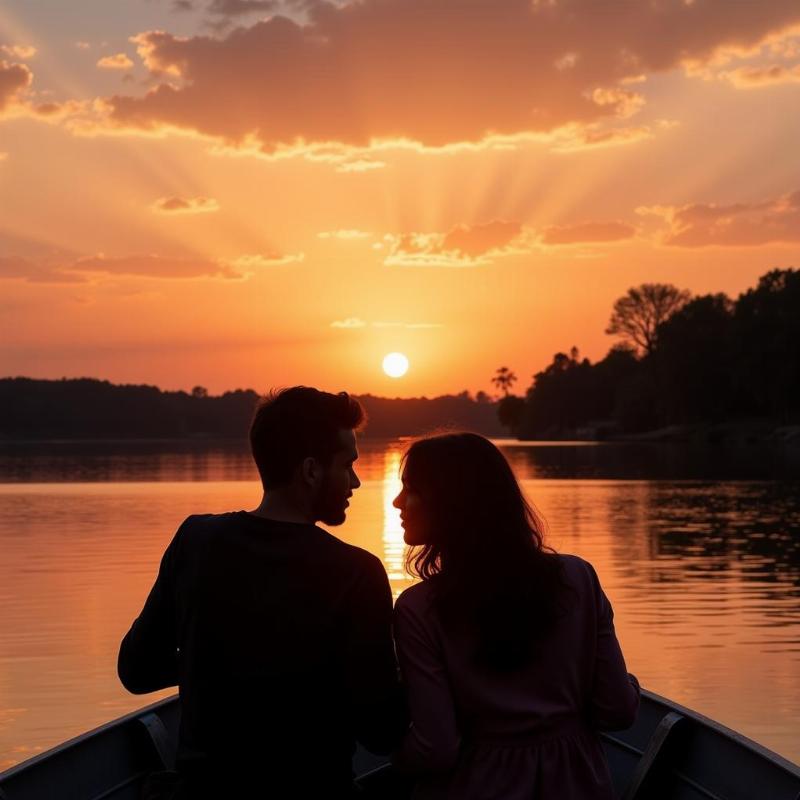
(21, 51)
(755, 66)
(477, 240)
(117, 61)
(738, 225)
(235, 8)
(408, 325)
(17, 100)
(785, 46)
(432, 73)
(83, 45)
(80, 270)
(588, 232)
(155, 266)
(35, 271)
(53, 112)
(461, 246)
(477, 245)
(185, 205)
(360, 165)
(625, 102)
(348, 234)
(757, 76)
(352, 323)
(349, 323)
(256, 261)
(590, 137)
(14, 79)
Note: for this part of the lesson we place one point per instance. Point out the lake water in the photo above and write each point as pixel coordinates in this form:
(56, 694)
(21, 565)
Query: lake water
(699, 551)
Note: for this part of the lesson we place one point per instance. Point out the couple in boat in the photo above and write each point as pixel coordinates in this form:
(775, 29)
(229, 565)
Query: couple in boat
(285, 647)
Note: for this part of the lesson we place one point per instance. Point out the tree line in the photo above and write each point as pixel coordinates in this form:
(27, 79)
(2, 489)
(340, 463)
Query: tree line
(86, 408)
(679, 360)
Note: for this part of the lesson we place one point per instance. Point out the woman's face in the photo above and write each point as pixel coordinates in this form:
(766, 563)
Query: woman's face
(412, 515)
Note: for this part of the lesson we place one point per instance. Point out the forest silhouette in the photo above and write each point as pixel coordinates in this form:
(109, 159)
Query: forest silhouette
(86, 408)
(680, 361)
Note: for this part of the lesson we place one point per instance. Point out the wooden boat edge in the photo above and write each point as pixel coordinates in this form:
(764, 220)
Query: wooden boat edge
(717, 727)
(656, 703)
(75, 741)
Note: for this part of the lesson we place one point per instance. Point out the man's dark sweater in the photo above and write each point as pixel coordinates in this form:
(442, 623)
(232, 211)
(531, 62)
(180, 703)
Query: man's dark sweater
(279, 637)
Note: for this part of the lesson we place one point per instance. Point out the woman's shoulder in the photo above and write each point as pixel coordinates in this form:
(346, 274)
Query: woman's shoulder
(573, 563)
(578, 571)
(417, 599)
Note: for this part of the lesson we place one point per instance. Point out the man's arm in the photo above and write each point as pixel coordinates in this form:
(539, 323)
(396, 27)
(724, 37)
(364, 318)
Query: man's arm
(148, 655)
(371, 670)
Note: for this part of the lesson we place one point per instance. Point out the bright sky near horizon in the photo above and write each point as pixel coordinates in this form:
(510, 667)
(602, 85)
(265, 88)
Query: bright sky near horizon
(248, 193)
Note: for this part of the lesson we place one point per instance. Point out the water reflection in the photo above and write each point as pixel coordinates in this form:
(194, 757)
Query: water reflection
(393, 544)
(654, 460)
(704, 575)
(117, 461)
(230, 460)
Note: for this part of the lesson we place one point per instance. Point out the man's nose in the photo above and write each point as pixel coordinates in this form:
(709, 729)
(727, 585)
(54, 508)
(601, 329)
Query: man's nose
(354, 481)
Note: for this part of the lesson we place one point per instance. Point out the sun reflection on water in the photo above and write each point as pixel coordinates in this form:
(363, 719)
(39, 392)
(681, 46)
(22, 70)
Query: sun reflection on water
(393, 544)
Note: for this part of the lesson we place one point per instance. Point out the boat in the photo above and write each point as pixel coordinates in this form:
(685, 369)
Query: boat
(669, 753)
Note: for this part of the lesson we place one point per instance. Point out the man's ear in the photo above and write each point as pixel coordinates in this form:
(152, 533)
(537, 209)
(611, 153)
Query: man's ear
(311, 471)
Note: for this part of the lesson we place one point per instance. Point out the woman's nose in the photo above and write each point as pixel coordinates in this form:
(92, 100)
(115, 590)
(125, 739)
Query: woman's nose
(396, 502)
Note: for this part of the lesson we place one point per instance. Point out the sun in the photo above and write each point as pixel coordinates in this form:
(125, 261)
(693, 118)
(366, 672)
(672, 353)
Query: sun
(395, 365)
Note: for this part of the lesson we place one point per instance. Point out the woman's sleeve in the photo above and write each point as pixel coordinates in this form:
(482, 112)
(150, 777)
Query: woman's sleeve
(615, 693)
(432, 742)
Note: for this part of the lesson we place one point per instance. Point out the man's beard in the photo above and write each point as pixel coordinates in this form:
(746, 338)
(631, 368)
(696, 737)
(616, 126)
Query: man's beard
(329, 505)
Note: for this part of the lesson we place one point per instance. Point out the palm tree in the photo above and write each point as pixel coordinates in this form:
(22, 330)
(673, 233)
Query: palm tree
(504, 379)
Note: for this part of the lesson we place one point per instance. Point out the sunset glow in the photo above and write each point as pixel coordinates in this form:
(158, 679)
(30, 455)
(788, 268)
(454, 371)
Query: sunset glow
(483, 180)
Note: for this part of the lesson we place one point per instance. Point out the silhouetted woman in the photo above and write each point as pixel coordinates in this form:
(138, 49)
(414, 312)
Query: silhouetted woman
(507, 649)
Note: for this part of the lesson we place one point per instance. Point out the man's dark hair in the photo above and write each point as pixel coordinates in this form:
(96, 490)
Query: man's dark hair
(292, 424)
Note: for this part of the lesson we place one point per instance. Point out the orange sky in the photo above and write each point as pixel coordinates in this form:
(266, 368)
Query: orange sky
(247, 193)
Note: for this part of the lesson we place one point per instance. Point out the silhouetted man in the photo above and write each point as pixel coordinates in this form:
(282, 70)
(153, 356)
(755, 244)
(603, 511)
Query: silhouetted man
(277, 633)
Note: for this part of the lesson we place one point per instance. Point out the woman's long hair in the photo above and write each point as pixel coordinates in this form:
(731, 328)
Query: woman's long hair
(494, 574)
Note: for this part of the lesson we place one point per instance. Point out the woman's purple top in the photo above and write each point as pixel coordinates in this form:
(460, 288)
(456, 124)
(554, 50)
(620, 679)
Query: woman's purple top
(527, 734)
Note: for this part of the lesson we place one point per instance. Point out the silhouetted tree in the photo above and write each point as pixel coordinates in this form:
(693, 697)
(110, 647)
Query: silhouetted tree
(556, 403)
(504, 379)
(682, 360)
(199, 391)
(510, 412)
(768, 344)
(637, 315)
(696, 361)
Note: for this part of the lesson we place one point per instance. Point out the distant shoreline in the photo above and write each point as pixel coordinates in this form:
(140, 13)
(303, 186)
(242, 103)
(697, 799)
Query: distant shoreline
(700, 434)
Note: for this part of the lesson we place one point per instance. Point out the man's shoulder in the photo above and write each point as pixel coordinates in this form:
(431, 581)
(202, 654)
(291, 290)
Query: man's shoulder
(197, 528)
(209, 522)
(350, 553)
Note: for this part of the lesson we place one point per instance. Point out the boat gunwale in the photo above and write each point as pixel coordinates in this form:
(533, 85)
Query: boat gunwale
(740, 739)
(86, 736)
(717, 728)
